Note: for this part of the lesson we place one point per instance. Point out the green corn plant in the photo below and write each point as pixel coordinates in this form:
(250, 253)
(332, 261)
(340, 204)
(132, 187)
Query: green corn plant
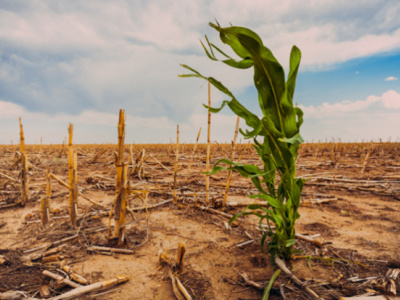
(276, 134)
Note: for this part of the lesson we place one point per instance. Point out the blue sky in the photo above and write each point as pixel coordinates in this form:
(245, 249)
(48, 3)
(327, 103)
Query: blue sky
(81, 61)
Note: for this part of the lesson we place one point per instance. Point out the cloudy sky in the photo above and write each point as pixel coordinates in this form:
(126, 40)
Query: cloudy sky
(80, 62)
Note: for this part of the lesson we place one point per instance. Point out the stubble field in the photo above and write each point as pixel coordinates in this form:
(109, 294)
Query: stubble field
(350, 203)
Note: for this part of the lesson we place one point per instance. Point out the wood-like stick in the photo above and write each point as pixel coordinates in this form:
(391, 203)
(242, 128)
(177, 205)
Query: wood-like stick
(367, 157)
(75, 185)
(120, 153)
(8, 177)
(45, 216)
(281, 264)
(74, 276)
(72, 201)
(109, 249)
(121, 170)
(122, 201)
(179, 257)
(21, 136)
(24, 170)
(61, 279)
(176, 162)
(208, 147)
(75, 293)
(228, 182)
(79, 193)
(193, 152)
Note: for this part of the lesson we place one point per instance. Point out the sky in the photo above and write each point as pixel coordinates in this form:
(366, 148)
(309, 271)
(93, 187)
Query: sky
(80, 62)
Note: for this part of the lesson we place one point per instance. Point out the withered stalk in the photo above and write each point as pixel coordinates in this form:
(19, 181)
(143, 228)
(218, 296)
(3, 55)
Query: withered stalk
(45, 207)
(72, 177)
(193, 152)
(176, 161)
(228, 182)
(208, 148)
(24, 169)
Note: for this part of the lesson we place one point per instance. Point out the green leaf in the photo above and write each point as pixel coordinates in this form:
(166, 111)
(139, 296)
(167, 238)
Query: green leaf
(235, 217)
(242, 64)
(295, 195)
(296, 139)
(271, 201)
(295, 57)
(254, 206)
(257, 183)
(299, 115)
(216, 110)
(263, 238)
(290, 243)
(255, 132)
(277, 220)
(210, 55)
(230, 36)
(220, 51)
(196, 74)
(309, 262)
(267, 290)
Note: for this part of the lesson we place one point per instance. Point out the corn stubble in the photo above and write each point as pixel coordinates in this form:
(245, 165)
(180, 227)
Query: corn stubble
(24, 169)
(276, 135)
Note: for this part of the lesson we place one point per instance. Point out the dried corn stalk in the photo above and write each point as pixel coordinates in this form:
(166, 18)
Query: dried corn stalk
(73, 181)
(121, 185)
(176, 161)
(120, 206)
(138, 169)
(367, 157)
(193, 152)
(24, 169)
(228, 182)
(45, 207)
(208, 148)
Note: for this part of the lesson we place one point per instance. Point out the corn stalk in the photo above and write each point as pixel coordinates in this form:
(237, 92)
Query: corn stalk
(228, 181)
(121, 184)
(45, 207)
(193, 152)
(24, 168)
(275, 134)
(208, 148)
(176, 164)
(73, 181)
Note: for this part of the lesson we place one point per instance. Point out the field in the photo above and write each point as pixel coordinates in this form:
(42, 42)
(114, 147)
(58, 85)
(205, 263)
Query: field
(350, 204)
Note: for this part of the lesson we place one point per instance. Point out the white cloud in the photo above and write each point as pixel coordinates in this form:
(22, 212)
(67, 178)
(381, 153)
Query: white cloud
(98, 127)
(388, 100)
(391, 99)
(326, 31)
(373, 118)
(10, 110)
(50, 31)
(391, 78)
(81, 61)
(326, 109)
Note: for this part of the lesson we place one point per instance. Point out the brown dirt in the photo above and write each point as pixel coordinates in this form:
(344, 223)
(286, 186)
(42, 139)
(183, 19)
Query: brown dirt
(360, 226)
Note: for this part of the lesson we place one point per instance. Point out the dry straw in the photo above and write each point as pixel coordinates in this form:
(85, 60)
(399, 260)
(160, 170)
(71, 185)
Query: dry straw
(193, 152)
(176, 162)
(208, 148)
(121, 184)
(24, 170)
(45, 207)
(73, 181)
(228, 182)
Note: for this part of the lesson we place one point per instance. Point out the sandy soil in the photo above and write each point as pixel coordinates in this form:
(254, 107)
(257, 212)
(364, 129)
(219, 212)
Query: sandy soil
(357, 220)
